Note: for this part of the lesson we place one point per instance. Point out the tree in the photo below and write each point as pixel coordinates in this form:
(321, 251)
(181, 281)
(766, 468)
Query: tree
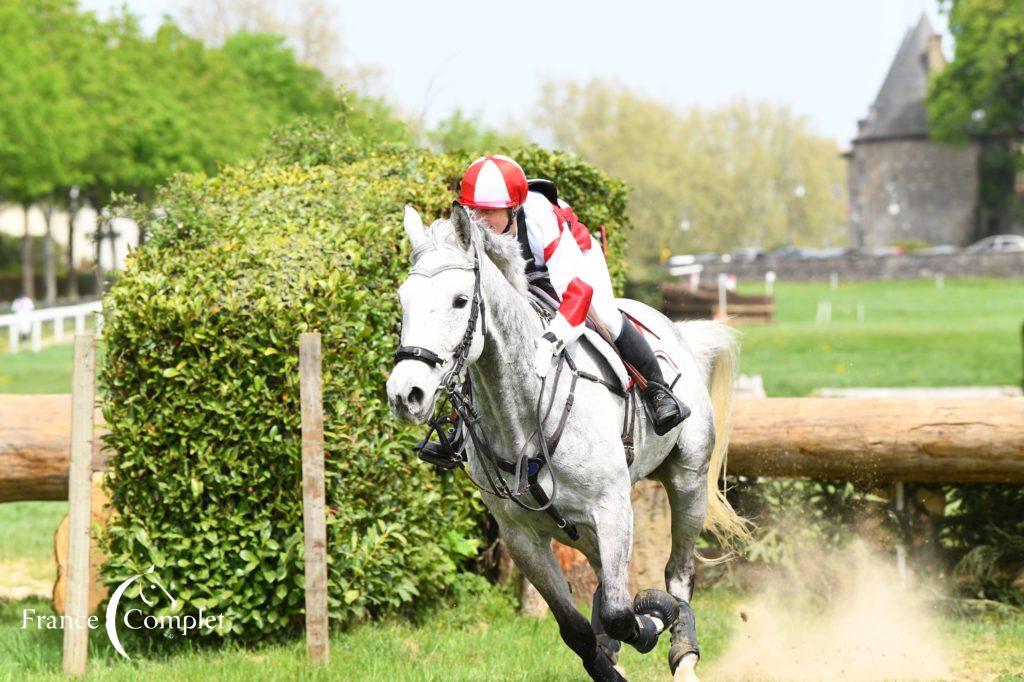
(41, 123)
(104, 108)
(746, 174)
(980, 95)
(460, 132)
(310, 27)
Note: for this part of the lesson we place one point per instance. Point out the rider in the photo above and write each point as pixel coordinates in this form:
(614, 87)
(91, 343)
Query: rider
(556, 244)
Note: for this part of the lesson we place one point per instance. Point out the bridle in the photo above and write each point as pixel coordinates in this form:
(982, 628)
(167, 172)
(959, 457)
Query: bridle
(461, 352)
(457, 391)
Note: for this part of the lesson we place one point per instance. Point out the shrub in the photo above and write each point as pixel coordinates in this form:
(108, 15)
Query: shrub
(200, 388)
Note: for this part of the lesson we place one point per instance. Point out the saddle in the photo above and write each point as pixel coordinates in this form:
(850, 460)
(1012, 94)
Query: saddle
(628, 379)
(598, 338)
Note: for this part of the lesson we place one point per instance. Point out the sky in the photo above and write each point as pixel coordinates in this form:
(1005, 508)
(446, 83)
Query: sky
(825, 59)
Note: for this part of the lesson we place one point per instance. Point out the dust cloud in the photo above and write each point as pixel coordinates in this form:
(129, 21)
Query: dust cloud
(836, 615)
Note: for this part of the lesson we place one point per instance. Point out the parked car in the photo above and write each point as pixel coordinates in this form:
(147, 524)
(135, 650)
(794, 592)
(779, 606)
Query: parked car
(1000, 243)
(785, 253)
(937, 250)
(746, 255)
(706, 257)
(834, 252)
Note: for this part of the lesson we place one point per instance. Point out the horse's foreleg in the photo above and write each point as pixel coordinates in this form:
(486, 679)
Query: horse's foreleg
(685, 480)
(532, 554)
(637, 623)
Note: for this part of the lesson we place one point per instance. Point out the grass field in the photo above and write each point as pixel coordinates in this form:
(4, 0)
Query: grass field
(967, 333)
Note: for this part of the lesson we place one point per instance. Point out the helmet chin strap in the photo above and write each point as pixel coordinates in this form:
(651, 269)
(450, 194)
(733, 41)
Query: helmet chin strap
(512, 212)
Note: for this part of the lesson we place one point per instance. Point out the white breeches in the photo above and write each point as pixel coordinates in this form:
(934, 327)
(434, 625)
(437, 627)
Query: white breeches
(603, 301)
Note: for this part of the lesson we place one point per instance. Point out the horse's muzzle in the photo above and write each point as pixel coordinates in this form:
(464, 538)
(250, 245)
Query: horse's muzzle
(412, 391)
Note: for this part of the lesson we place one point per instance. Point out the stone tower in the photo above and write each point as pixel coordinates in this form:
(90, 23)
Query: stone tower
(902, 185)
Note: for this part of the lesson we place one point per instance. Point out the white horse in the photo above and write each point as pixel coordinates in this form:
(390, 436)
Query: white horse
(467, 296)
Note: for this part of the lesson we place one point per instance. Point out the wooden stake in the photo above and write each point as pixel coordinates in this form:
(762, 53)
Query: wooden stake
(314, 521)
(83, 396)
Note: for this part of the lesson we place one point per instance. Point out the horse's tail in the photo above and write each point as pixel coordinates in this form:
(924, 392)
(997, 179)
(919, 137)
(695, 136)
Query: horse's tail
(716, 349)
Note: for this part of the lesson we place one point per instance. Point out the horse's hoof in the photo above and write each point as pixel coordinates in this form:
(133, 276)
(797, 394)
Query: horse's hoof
(609, 646)
(657, 604)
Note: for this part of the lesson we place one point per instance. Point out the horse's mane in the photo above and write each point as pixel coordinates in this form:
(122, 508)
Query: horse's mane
(502, 250)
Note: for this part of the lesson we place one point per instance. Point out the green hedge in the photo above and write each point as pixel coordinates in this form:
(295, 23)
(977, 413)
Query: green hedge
(200, 389)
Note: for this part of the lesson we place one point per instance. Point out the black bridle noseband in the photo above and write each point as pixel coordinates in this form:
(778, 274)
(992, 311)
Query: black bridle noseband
(462, 415)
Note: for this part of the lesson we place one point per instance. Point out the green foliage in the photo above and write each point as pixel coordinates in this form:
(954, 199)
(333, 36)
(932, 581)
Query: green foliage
(979, 94)
(980, 91)
(460, 132)
(983, 538)
(100, 104)
(42, 136)
(201, 383)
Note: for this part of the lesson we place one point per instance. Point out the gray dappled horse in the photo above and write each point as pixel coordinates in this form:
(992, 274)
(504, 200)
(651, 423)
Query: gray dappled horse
(460, 270)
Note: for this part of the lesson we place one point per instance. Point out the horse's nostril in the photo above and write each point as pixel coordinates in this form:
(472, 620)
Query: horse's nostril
(415, 395)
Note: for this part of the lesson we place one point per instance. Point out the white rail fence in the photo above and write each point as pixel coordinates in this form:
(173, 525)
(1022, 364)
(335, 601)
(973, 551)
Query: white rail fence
(78, 312)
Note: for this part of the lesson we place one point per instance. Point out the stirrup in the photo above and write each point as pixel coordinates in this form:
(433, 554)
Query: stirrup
(665, 426)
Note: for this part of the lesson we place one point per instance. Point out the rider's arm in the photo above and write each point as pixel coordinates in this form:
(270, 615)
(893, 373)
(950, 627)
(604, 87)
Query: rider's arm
(556, 248)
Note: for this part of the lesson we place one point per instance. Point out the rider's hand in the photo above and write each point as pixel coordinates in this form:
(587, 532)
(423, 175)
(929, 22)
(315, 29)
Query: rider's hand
(548, 346)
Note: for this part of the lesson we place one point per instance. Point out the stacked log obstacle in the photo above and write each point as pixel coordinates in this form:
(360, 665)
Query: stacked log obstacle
(680, 302)
(35, 447)
(925, 440)
(952, 440)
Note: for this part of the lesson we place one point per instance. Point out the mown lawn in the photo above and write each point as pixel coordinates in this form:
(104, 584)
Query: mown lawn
(966, 334)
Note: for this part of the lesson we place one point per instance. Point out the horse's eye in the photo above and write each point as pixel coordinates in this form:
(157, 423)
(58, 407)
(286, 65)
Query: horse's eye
(460, 301)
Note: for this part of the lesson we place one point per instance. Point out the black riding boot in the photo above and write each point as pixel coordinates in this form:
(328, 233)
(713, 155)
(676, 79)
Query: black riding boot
(665, 409)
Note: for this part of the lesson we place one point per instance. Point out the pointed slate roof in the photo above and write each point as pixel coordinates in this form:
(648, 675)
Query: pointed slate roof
(899, 110)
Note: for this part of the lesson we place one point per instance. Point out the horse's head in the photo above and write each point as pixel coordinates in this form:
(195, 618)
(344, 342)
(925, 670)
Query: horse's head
(442, 312)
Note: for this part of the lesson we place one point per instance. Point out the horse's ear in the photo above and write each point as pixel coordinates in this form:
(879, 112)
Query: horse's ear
(414, 227)
(463, 225)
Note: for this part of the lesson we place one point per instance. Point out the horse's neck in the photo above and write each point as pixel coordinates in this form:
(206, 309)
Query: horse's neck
(503, 377)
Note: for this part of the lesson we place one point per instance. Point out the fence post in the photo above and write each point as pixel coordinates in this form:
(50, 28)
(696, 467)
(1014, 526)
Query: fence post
(83, 397)
(12, 337)
(723, 312)
(314, 521)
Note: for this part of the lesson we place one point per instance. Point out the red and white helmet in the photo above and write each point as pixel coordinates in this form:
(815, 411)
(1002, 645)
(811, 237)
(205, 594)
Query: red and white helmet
(493, 182)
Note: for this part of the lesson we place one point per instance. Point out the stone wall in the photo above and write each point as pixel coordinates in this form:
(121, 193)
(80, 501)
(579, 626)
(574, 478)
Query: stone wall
(912, 189)
(867, 268)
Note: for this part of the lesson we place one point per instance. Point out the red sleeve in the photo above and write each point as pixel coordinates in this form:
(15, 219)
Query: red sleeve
(576, 302)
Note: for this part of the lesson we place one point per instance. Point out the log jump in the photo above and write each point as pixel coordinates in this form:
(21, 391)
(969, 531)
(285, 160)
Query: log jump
(977, 440)
(926, 440)
(35, 447)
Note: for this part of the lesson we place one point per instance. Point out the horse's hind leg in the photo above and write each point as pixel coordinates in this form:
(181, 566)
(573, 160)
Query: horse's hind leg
(532, 554)
(684, 475)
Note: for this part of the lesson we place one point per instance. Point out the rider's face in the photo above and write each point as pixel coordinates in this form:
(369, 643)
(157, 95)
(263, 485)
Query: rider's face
(495, 218)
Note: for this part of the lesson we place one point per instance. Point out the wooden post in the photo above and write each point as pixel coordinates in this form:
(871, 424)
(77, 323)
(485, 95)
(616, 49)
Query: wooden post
(722, 307)
(83, 396)
(314, 521)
